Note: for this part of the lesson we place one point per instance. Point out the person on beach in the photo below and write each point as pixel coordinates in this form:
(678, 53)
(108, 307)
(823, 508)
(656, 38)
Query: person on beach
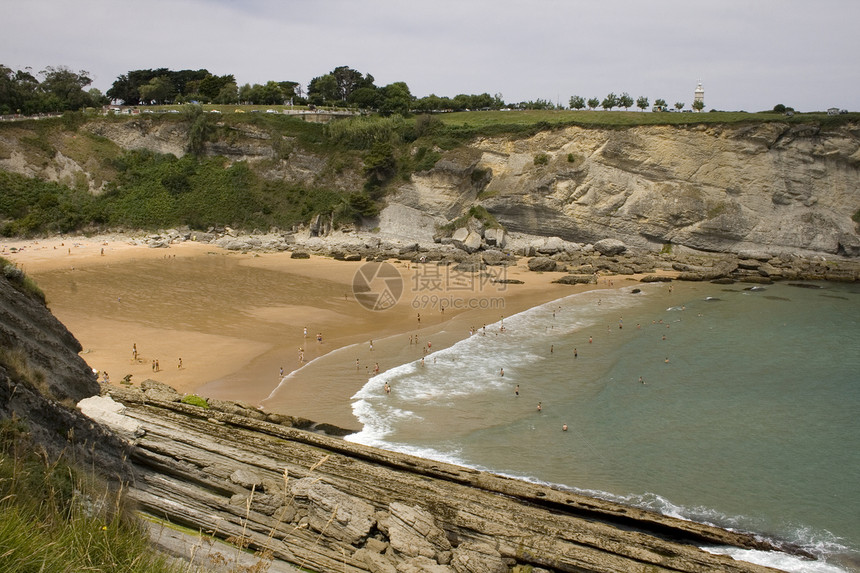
(387, 388)
(157, 366)
(281, 373)
(356, 364)
(589, 340)
(517, 390)
(153, 365)
(179, 366)
(376, 368)
(371, 346)
(551, 347)
(641, 380)
(575, 354)
(502, 372)
(539, 408)
(134, 350)
(564, 427)
(306, 332)
(319, 337)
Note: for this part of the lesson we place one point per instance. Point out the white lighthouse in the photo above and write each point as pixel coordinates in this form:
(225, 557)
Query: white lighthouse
(699, 98)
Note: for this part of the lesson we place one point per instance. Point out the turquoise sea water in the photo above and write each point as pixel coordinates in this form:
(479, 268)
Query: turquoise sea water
(753, 423)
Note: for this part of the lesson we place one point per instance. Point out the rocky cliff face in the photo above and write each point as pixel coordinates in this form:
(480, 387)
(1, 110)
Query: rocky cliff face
(713, 188)
(783, 188)
(42, 376)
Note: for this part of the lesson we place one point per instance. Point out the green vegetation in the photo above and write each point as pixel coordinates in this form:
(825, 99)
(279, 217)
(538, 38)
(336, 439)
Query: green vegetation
(541, 159)
(475, 212)
(21, 281)
(54, 518)
(524, 122)
(856, 216)
(195, 400)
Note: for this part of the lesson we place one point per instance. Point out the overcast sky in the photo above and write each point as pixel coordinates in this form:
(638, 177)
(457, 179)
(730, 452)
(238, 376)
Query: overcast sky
(749, 54)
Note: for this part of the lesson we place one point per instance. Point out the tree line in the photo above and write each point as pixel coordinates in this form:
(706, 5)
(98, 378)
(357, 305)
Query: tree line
(63, 89)
(626, 101)
(59, 90)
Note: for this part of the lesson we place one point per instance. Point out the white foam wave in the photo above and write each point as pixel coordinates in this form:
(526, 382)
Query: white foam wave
(776, 560)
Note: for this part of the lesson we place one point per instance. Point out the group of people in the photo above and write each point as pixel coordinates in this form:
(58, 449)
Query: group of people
(156, 366)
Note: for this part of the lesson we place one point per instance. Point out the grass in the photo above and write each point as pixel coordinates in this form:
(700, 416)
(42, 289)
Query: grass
(52, 518)
(21, 281)
(499, 122)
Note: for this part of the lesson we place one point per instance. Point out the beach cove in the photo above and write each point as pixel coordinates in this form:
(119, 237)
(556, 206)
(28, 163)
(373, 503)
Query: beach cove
(236, 319)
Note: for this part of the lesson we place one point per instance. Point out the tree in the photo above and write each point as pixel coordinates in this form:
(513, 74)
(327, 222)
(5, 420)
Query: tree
(625, 101)
(229, 93)
(323, 90)
(396, 98)
(159, 90)
(660, 103)
(679, 105)
(609, 101)
(698, 105)
(349, 80)
(366, 98)
(593, 103)
(97, 98)
(642, 103)
(577, 102)
(66, 88)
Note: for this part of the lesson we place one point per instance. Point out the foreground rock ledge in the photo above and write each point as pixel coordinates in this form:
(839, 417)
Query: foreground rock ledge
(325, 504)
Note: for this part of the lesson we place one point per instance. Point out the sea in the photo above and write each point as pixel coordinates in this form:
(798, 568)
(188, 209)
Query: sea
(736, 405)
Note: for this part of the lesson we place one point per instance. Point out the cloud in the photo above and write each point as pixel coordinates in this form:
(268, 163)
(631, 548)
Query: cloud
(749, 55)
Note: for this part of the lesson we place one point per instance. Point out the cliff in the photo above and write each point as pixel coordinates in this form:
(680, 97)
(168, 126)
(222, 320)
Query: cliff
(758, 186)
(766, 186)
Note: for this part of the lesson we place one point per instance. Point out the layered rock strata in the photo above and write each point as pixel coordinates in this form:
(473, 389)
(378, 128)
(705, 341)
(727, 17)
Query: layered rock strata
(325, 504)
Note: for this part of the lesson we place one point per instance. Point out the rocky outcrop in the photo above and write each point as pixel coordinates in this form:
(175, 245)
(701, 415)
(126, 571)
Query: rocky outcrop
(328, 505)
(724, 188)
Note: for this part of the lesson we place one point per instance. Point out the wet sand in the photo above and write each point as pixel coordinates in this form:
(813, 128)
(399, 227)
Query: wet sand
(236, 319)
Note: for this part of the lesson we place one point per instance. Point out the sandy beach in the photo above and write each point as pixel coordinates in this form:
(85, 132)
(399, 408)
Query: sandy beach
(237, 319)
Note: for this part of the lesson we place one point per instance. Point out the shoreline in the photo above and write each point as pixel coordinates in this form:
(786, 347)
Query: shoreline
(246, 366)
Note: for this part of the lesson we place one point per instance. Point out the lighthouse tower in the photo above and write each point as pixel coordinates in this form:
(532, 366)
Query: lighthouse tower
(699, 96)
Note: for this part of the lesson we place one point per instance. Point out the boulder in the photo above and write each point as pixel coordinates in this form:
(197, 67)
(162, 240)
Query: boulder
(300, 255)
(610, 247)
(106, 411)
(470, 243)
(496, 237)
(542, 264)
(551, 246)
(342, 516)
(494, 257)
(576, 280)
(655, 279)
(376, 563)
(460, 235)
(470, 557)
(414, 532)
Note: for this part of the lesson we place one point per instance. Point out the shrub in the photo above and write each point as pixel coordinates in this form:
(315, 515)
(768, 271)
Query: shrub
(541, 159)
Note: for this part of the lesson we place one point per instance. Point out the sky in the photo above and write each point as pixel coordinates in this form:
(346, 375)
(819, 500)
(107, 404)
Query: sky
(748, 54)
